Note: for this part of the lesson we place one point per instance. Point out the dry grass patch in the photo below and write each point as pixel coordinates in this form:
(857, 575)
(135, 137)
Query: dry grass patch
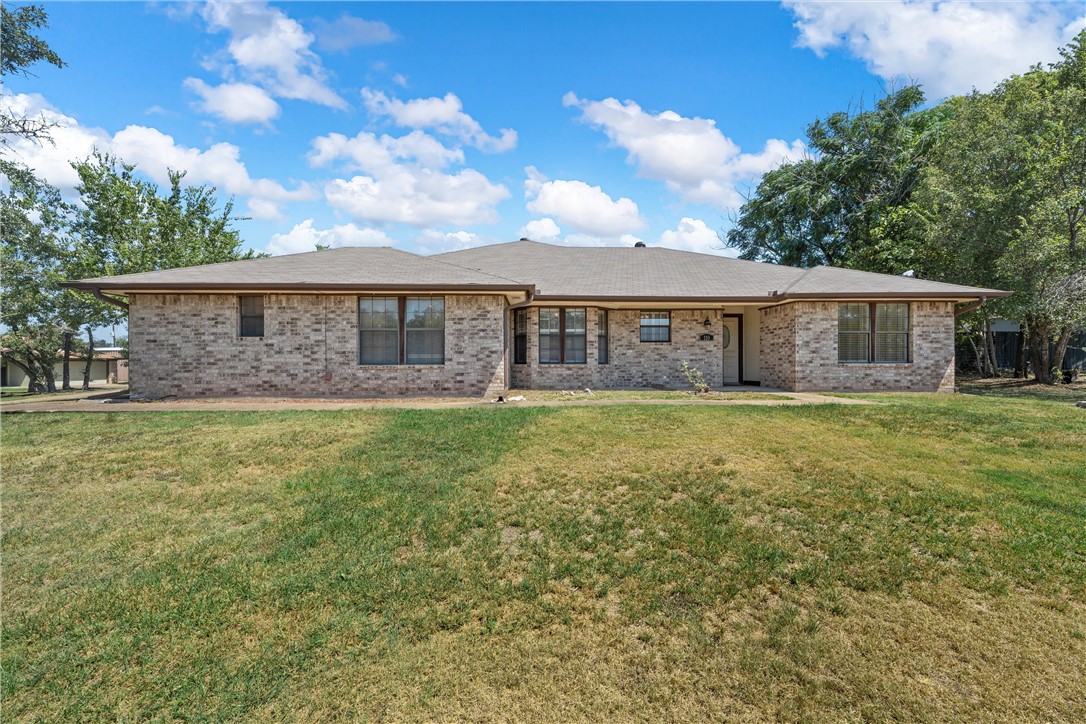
(641, 394)
(924, 559)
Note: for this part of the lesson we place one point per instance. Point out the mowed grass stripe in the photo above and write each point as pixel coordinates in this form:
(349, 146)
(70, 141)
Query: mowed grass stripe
(922, 559)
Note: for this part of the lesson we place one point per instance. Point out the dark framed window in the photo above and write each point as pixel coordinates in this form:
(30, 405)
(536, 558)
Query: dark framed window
(601, 337)
(424, 327)
(563, 335)
(401, 330)
(891, 333)
(550, 336)
(853, 332)
(873, 332)
(520, 336)
(655, 326)
(379, 330)
(251, 322)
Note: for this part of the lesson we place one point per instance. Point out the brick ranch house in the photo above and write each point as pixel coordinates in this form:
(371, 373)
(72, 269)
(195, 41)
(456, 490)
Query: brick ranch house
(379, 321)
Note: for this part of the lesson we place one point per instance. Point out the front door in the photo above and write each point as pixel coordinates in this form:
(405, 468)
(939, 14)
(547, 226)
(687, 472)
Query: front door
(730, 343)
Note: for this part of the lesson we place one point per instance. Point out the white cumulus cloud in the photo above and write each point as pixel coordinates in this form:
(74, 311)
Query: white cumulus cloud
(444, 115)
(270, 49)
(402, 180)
(305, 237)
(430, 241)
(949, 47)
(154, 153)
(587, 209)
(348, 31)
(694, 235)
(544, 229)
(372, 152)
(690, 155)
(234, 102)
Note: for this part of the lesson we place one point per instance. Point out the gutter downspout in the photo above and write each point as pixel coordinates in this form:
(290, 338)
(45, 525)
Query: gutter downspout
(107, 299)
(971, 307)
(505, 336)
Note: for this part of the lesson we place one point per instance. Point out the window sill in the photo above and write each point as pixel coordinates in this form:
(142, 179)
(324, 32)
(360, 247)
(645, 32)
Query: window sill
(874, 364)
(398, 366)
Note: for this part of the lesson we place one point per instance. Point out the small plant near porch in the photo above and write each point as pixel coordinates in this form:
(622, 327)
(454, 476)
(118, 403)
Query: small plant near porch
(696, 379)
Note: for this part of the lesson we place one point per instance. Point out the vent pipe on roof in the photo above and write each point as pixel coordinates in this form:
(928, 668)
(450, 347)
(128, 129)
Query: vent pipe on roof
(639, 245)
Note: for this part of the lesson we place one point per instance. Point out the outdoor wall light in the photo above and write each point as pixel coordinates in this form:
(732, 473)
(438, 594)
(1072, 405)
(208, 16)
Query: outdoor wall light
(707, 323)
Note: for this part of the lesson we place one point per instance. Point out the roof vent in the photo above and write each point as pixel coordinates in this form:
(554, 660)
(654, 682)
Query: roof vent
(639, 245)
(525, 238)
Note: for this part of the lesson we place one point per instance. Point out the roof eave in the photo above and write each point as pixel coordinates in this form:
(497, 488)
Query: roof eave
(761, 299)
(219, 288)
(614, 299)
(949, 295)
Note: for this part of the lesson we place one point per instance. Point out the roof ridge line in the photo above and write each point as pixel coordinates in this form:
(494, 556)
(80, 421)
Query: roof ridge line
(799, 277)
(471, 269)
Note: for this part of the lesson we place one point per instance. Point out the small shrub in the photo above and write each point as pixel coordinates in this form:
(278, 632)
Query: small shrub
(696, 379)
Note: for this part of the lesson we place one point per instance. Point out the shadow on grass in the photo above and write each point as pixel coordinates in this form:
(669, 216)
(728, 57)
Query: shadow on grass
(1022, 389)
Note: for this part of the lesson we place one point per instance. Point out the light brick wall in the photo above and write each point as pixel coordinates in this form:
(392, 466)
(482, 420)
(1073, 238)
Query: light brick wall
(799, 351)
(778, 346)
(633, 363)
(188, 345)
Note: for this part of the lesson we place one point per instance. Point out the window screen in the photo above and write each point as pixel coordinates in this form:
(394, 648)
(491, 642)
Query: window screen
(575, 347)
(520, 336)
(252, 316)
(379, 330)
(601, 336)
(891, 332)
(550, 340)
(853, 332)
(655, 326)
(425, 330)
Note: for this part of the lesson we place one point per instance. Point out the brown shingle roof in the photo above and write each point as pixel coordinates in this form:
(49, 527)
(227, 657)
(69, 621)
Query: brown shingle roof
(555, 272)
(653, 272)
(343, 268)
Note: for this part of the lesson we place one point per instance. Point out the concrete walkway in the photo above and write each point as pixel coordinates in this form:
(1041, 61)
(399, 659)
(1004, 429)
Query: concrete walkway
(88, 403)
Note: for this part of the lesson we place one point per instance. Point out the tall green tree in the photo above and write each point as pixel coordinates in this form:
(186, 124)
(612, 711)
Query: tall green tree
(1005, 200)
(20, 49)
(847, 204)
(33, 247)
(126, 225)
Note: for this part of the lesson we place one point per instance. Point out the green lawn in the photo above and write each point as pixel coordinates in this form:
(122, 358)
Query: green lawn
(635, 395)
(921, 560)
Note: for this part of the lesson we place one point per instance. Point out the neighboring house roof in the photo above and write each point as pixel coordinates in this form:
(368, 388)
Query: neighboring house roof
(553, 272)
(343, 268)
(103, 355)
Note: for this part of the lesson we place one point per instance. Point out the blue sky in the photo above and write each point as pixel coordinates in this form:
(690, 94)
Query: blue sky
(444, 125)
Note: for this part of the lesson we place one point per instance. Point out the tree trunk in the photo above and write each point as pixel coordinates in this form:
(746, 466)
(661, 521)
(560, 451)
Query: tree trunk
(1061, 349)
(33, 386)
(90, 358)
(976, 354)
(50, 374)
(984, 366)
(1020, 352)
(1038, 339)
(66, 383)
(989, 342)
